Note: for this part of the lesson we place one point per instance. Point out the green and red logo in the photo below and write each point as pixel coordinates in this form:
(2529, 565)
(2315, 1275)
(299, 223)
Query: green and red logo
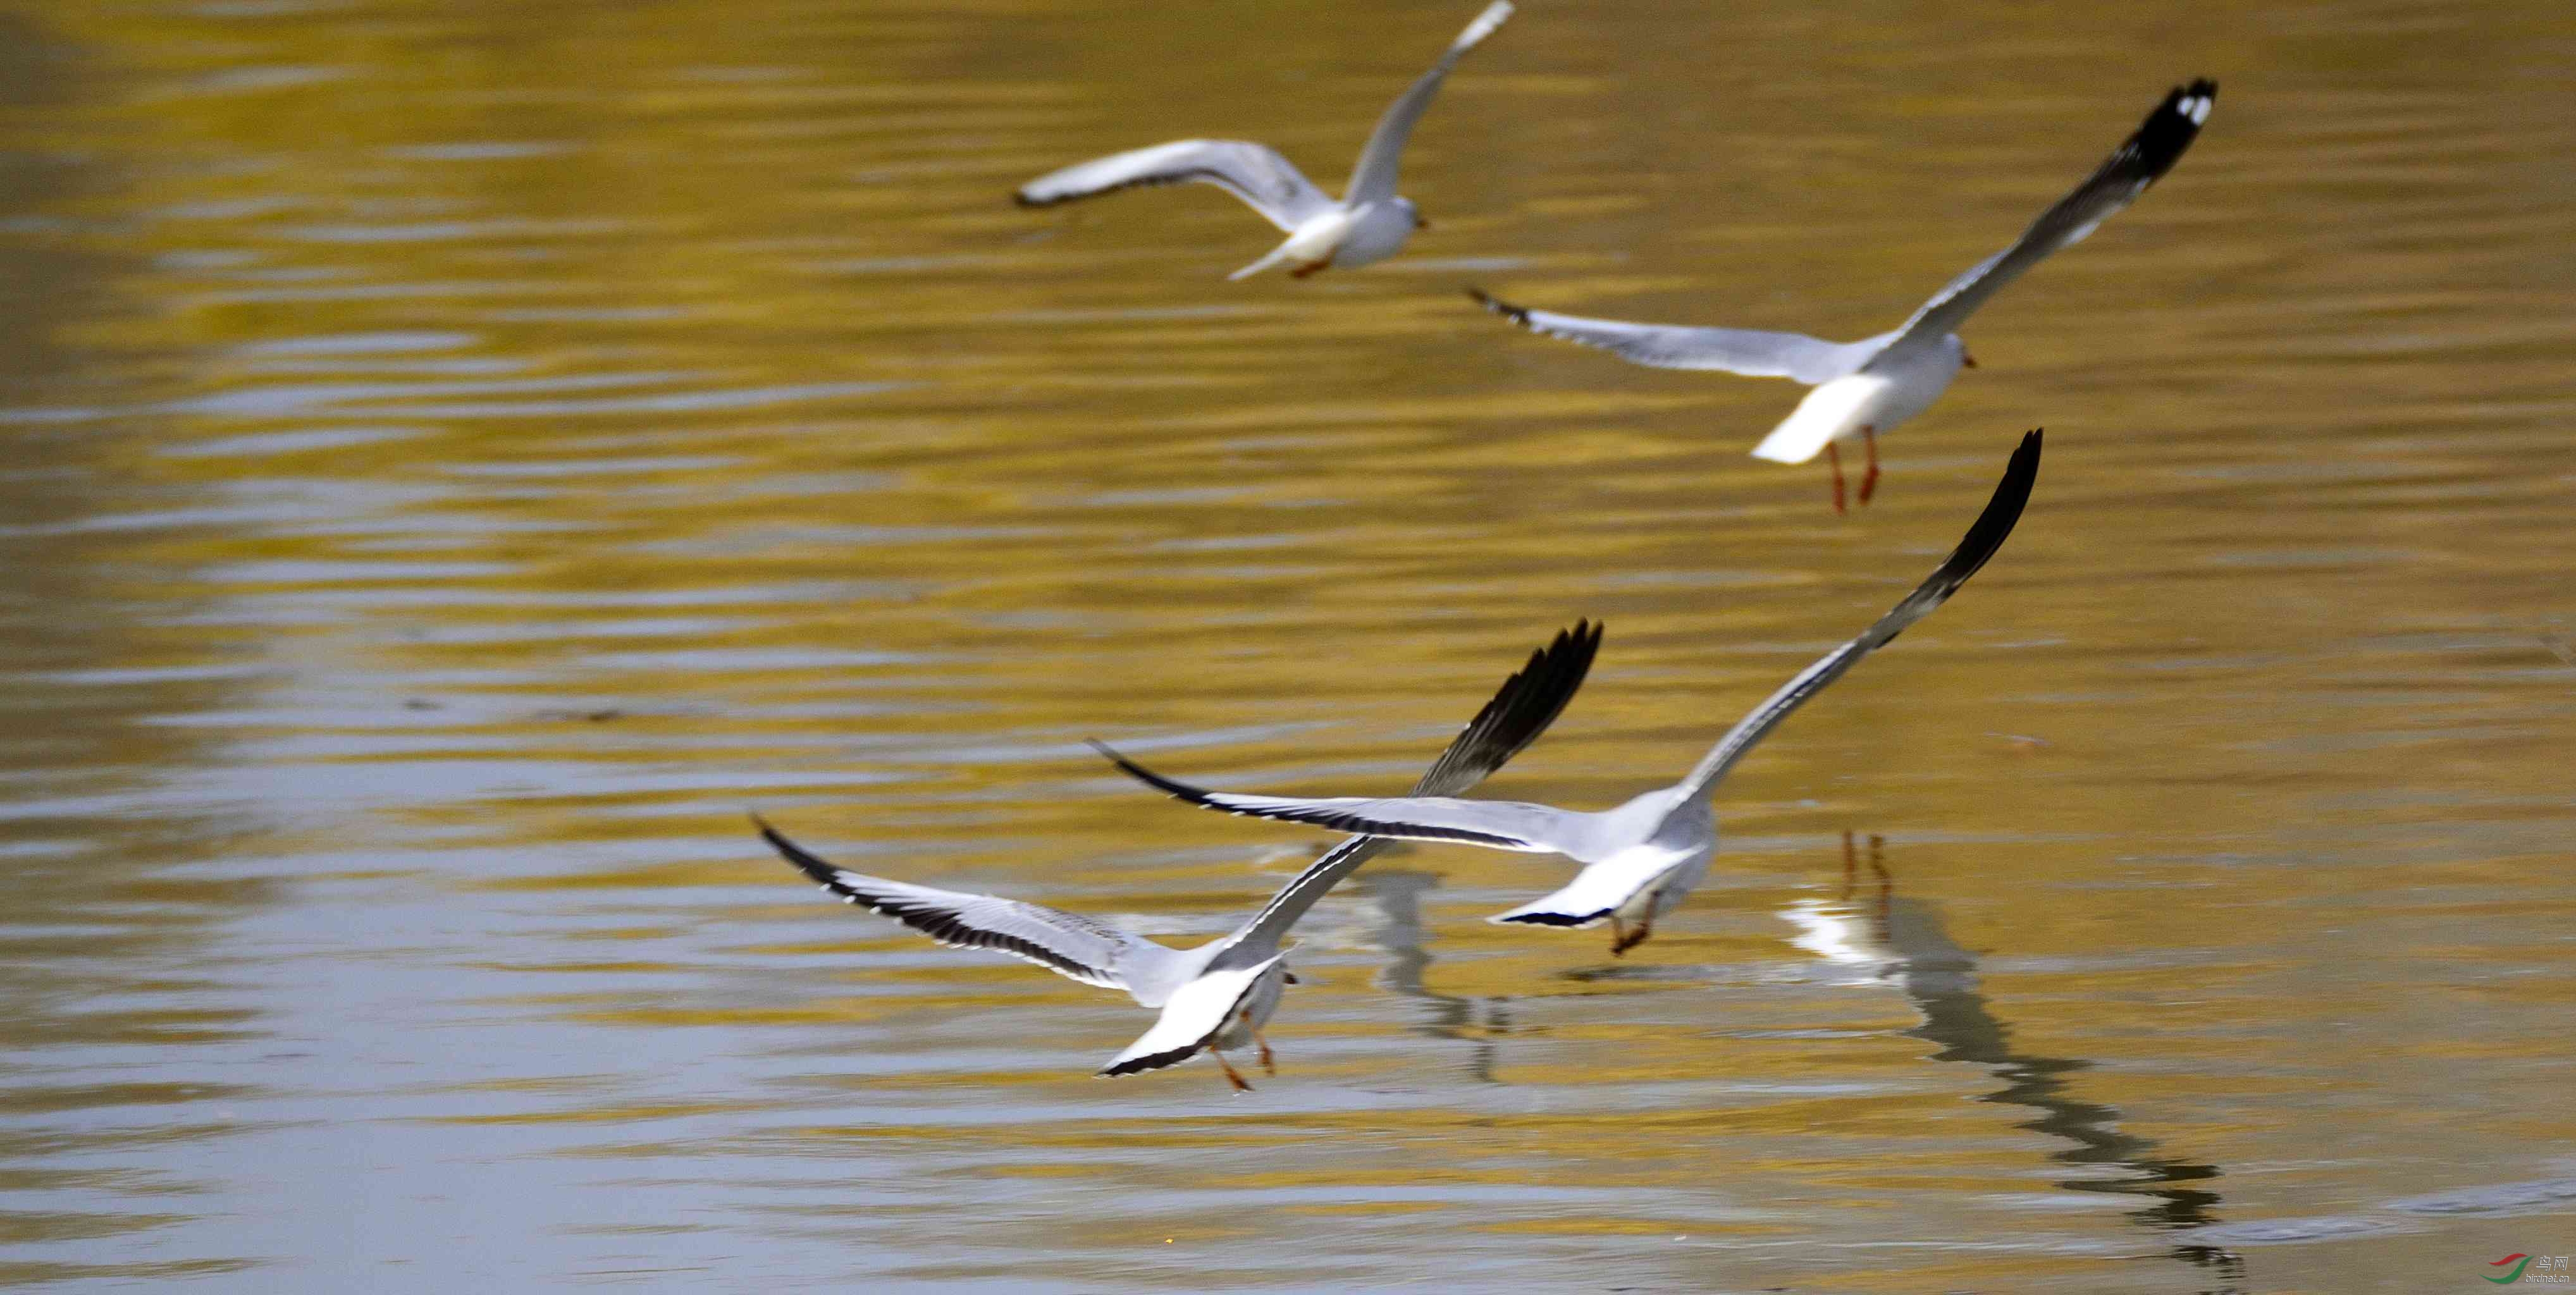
(2519, 1263)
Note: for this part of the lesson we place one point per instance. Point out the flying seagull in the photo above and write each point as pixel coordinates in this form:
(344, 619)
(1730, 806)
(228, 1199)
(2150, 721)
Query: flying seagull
(1219, 994)
(1867, 387)
(1368, 224)
(1641, 858)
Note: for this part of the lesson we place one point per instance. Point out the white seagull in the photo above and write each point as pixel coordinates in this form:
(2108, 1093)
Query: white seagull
(1368, 224)
(1219, 994)
(1641, 858)
(1867, 387)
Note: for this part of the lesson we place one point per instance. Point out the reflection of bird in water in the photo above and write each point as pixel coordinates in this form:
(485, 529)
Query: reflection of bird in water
(1398, 894)
(1881, 937)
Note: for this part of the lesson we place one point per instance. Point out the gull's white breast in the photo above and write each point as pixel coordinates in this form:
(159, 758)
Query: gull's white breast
(1376, 232)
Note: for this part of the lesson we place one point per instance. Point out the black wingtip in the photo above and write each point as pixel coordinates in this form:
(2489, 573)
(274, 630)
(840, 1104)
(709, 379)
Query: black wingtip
(2170, 129)
(1176, 790)
(1021, 198)
(1519, 713)
(1500, 307)
(804, 861)
(1987, 535)
(1556, 672)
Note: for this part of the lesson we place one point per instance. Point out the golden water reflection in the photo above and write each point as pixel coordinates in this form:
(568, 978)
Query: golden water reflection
(464, 455)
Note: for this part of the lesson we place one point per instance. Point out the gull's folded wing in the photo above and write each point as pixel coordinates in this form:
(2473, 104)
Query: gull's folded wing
(1267, 182)
(1750, 352)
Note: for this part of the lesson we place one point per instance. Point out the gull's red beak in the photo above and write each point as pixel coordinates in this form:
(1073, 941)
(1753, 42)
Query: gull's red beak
(1966, 361)
(1421, 221)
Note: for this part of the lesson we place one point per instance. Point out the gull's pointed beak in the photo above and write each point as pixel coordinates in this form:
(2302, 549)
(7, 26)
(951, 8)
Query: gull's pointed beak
(1290, 977)
(1966, 361)
(1421, 221)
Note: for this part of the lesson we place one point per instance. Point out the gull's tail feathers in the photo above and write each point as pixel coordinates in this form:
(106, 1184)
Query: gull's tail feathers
(1583, 902)
(1273, 257)
(1598, 891)
(1825, 416)
(1197, 1013)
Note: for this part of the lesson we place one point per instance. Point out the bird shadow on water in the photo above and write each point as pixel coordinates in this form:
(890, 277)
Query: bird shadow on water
(1478, 1022)
(1881, 937)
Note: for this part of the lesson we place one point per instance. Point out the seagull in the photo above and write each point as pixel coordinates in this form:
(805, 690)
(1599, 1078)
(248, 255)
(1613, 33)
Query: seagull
(1867, 387)
(1368, 224)
(1219, 994)
(1641, 858)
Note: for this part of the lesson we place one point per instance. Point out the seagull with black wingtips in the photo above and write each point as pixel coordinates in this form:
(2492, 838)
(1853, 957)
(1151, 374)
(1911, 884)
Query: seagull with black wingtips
(1220, 994)
(1864, 388)
(1641, 858)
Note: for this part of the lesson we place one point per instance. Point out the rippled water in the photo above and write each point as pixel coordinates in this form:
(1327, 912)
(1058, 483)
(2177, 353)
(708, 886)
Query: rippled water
(461, 456)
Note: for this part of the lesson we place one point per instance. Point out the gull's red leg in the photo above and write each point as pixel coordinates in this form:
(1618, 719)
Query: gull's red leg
(1635, 938)
(1869, 478)
(1834, 458)
(1886, 879)
(1267, 1066)
(1230, 1076)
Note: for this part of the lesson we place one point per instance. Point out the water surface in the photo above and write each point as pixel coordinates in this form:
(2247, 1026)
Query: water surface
(462, 456)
